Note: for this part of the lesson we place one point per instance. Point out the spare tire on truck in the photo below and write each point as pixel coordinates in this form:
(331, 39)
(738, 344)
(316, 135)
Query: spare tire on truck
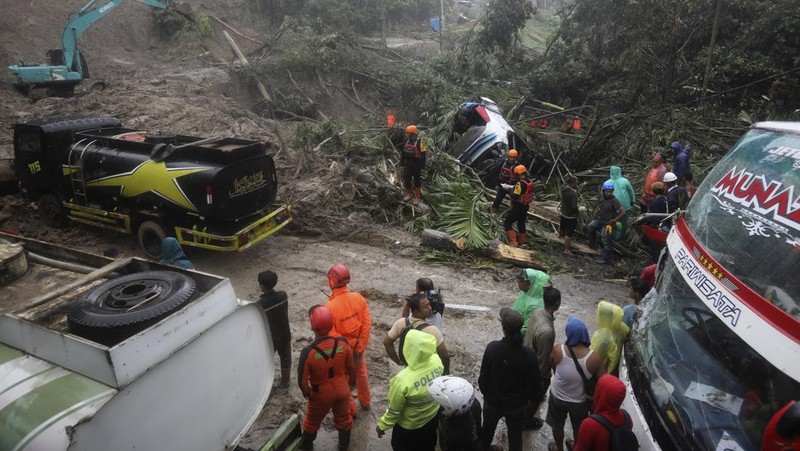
(122, 306)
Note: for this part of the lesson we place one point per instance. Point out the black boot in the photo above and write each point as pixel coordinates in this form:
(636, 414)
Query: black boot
(307, 442)
(344, 440)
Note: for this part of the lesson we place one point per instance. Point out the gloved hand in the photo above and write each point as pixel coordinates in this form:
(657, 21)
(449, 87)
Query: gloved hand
(507, 187)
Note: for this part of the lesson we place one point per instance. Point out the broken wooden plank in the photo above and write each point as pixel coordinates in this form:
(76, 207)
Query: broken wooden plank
(494, 250)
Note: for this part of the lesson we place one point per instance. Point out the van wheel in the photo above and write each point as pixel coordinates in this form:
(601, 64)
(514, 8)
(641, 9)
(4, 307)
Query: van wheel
(151, 234)
(122, 306)
(52, 211)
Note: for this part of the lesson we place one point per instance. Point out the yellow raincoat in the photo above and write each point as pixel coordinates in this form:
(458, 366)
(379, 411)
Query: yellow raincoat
(610, 335)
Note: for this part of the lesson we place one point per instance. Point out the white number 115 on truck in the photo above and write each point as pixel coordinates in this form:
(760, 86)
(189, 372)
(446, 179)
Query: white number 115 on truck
(714, 358)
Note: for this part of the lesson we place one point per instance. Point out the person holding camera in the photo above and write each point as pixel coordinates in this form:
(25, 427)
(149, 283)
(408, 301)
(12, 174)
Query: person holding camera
(420, 312)
(434, 296)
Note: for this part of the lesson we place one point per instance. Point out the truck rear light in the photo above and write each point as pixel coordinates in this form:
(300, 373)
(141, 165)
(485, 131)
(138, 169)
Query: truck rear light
(209, 194)
(482, 112)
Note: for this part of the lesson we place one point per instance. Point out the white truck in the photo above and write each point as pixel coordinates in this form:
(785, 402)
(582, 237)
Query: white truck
(101, 354)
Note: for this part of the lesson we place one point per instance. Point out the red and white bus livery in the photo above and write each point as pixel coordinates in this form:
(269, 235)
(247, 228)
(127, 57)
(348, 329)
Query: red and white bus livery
(715, 354)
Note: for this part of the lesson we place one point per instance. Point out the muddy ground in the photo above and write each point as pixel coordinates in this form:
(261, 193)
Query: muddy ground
(151, 85)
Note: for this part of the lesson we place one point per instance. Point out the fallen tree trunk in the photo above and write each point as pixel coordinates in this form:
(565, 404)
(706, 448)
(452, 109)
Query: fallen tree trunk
(493, 249)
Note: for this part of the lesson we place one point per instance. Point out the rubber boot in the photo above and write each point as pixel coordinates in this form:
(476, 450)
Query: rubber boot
(521, 239)
(408, 195)
(344, 440)
(285, 377)
(307, 441)
(417, 196)
(512, 237)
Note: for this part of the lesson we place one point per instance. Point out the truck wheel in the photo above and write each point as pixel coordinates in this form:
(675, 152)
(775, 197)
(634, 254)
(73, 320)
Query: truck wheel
(122, 306)
(52, 211)
(151, 234)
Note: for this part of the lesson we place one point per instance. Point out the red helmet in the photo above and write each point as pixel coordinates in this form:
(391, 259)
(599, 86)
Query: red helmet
(338, 276)
(321, 319)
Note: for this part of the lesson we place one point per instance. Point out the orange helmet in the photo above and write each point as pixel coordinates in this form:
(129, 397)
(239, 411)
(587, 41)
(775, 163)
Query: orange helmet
(338, 276)
(321, 319)
(520, 169)
(412, 129)
(513, 153)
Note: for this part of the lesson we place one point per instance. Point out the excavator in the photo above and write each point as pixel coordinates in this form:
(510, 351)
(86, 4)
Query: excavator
(67, 66)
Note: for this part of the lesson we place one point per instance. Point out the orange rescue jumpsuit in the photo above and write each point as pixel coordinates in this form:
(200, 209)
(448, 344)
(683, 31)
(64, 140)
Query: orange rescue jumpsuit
(351, 320)
(324, 375)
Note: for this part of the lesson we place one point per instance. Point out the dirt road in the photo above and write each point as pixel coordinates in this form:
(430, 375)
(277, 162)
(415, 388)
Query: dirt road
(384, 275)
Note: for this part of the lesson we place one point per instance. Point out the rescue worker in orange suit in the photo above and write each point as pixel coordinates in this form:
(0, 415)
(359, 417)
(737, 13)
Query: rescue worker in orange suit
(576, 124)
(351, 320)
(521, 195)
(505, 176)
(325, 374)
(412, 160)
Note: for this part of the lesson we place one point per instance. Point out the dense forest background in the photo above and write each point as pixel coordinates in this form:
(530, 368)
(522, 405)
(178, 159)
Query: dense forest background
(639, 73)
(644, 71)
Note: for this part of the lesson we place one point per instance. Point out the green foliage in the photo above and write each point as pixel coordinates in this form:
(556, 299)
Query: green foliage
(167, 23)
(360, 16)
(632, 52)
(202, 26)
(502, 24)
(170, 24)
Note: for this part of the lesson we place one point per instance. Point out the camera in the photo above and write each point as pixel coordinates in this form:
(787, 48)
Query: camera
(435, 299)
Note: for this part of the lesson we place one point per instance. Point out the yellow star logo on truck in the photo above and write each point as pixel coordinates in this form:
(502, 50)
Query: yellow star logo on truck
(155, 177)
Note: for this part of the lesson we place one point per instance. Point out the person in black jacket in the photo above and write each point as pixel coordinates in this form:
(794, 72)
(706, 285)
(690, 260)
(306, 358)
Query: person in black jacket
(509, 380)
(276, 306)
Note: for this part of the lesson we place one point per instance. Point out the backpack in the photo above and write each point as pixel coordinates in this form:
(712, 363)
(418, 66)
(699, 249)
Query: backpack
(403, 334)
(622, 437)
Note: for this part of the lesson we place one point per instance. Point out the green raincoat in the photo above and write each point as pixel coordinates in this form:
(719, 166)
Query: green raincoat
(610, 335)
(623, 190)
(410, 405)
(528, 301)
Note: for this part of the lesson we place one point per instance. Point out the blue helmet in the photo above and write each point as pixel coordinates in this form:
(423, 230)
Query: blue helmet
(608, 186)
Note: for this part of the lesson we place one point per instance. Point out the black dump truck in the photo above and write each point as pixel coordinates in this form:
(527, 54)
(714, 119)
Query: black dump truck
(213, 193)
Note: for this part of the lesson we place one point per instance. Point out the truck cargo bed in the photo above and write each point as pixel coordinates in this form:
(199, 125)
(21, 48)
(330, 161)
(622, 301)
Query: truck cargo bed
(33, 311)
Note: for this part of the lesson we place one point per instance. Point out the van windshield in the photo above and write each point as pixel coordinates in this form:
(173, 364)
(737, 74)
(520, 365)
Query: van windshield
(708, 386)
(746, 214)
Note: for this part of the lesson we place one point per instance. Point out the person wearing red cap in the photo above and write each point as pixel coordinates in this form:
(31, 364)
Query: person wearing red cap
(351, 320)
(325, 374)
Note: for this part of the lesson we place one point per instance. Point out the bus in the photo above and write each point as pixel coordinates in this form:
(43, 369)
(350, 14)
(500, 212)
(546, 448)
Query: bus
(714, 355)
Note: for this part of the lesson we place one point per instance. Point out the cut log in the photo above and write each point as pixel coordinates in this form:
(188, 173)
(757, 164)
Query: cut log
(494, 250)
(243, 60)
(578, 248)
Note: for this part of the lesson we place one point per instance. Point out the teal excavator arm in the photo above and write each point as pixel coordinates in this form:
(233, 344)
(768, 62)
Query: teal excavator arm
(67, 68)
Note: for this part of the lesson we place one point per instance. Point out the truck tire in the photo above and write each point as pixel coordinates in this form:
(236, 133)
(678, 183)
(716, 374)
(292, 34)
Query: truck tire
(122, 306)
(151, 234)
(52, 211)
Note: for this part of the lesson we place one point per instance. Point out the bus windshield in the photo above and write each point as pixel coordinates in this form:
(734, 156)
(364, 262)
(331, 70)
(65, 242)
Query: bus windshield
(746, 215)
(709, 386)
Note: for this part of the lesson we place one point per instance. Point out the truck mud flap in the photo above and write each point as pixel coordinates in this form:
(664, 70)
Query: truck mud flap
(239, 240)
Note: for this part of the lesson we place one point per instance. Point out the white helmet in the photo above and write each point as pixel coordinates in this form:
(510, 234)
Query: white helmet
(669, 177)
(454, 394)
